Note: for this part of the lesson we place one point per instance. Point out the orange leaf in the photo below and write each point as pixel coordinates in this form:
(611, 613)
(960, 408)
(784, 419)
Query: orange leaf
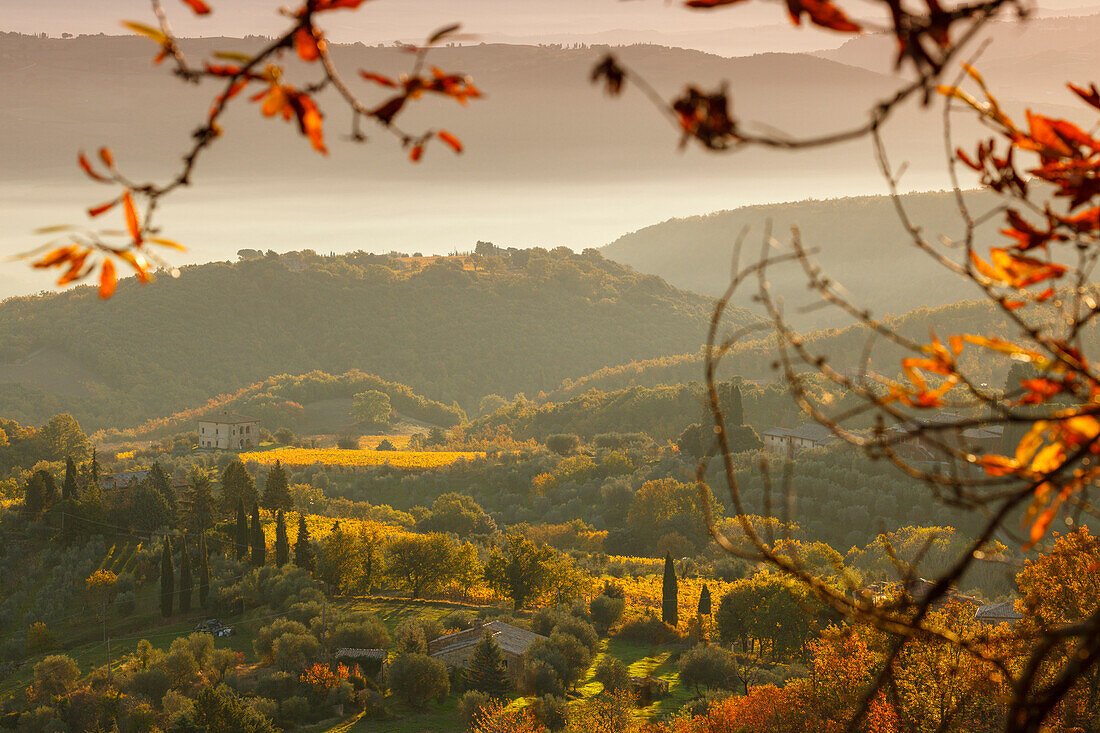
(378, 79)
(107, 158)
(84, 164)
(168, 243)
(97, 210)
(108, 281)
(198, 6)
(131, 217)
(451, 140)
(306, 44)
(416, 153)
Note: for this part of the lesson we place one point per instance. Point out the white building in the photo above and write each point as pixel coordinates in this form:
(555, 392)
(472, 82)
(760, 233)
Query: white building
(229, 431)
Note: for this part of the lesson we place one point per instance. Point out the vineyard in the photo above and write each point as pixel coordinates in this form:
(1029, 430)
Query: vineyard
(352, 459)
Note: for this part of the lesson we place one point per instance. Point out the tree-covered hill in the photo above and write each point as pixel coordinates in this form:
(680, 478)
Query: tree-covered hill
(500, 322)
(845, 348)
(859, 242)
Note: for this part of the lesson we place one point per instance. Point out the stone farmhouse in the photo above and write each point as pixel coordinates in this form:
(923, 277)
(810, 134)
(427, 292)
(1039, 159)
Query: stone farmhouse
(455, 650)
(792, 440)
(229, 431)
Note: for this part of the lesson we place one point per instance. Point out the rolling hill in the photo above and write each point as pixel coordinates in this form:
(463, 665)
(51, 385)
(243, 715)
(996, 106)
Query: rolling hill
(523, 321)
(859, 243)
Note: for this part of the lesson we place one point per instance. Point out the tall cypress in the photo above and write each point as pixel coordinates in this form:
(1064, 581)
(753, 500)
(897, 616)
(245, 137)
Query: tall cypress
(167, 580)
(242, 532)
(259, 546)
(277, 490)
(303, 547)
(204, 571)
(69, 490)
(40, 494)
(704, 601)
(185, 576)
(282, 546)
(237, 484)
(735, 411)
(669, 594)
(202, 501)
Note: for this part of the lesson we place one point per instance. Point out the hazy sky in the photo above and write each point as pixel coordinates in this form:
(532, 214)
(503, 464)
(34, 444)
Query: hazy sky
(386, 20)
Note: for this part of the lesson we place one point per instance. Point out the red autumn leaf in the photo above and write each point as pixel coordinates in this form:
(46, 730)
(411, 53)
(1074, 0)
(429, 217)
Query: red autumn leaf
(1087, 220)
(1026, 235)
(107, 157)
(1045, 295)
(87, 167)
(131, 217)
(198, 6)
(57, 256)
(710, 3)
(823, 13)
(416, 153)
(321, 5)
(107, 279)
(451, 140)
(97, 210)
(76, 268)
(1090, 95)
(306, 44)
(222, 69)
(378, 79)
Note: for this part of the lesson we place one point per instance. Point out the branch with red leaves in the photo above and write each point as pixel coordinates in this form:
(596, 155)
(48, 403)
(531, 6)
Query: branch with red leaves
(79, 252)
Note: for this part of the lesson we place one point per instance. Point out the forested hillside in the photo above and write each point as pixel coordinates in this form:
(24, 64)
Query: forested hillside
(857, 241)
(755, 360)
(512, 321)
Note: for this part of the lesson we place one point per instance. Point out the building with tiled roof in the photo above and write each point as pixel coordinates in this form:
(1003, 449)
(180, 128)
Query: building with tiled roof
(229, 431)
(455, 650)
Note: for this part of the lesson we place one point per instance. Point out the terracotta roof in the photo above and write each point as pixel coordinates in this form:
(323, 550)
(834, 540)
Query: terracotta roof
(227, 418)
(511, 639)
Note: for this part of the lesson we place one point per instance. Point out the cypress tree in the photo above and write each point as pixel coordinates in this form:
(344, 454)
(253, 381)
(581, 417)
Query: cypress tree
(167, 580)
(202, 501)
(185, 576)
(242, 532)
(204, 571)
(40, 494)
(68, 488)
(277, 490)
(259, 546)
(487, 671)
(303, 547)
(669, 593)
(704, 601)
(95, 469)
(282, 546)
(237, 484)
(735, 411)
(159, 480)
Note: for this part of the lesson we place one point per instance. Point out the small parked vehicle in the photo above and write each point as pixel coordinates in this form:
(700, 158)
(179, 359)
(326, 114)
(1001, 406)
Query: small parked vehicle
(214, 627)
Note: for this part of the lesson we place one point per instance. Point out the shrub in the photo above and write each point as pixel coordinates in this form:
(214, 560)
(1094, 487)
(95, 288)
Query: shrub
(347, 442)
(265, 706)
(470, 705)
(373, 703)
(56, 675)
(277, 685)
(418, 678)
(580, 630)
(545, 619)
(708, 667)
(648, 630)
(562, 443)
(551, 711)
(384, 444)
(606, 611)
(39, 638)
(294, 709)
(177, 705)
(612, 674)
(540, 678)
(362, 634)
(180, 667)
(264, 643)
(153, 683)
(295, 651)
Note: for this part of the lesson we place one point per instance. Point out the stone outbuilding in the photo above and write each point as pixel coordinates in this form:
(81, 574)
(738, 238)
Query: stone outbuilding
(455, 650)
